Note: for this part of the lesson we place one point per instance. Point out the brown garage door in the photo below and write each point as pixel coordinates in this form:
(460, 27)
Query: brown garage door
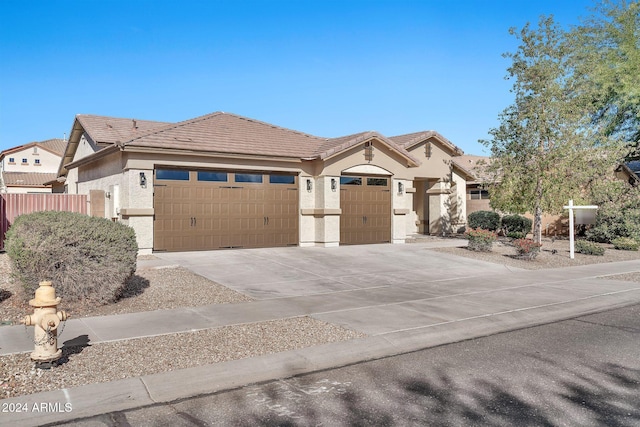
(203, 210)
(366, 210)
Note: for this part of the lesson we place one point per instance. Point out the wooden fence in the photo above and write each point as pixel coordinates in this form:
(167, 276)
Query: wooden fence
(12, 205)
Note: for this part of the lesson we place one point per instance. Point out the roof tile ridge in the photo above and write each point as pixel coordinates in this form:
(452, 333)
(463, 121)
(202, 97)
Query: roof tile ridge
(271, 125)
(171, 126)
(419, 136)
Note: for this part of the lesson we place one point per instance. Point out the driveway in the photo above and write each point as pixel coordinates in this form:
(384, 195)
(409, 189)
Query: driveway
(294, 271)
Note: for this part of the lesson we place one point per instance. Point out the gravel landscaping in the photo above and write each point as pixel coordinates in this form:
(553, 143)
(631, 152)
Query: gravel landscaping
(151, 288)
(553, 254)
(85, 363)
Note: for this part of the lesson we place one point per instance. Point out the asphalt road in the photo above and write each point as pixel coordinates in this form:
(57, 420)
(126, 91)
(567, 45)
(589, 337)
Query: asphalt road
(580, 372)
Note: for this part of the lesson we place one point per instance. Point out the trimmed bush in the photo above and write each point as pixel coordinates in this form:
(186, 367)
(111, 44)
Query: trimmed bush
(588, 248)
(87, 258)
(625, 244)
(486, 220)
(480, 240)
(516, 224)
(526, 248)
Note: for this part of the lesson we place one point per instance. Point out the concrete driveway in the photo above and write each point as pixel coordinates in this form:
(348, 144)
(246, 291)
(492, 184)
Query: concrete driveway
(294, 271)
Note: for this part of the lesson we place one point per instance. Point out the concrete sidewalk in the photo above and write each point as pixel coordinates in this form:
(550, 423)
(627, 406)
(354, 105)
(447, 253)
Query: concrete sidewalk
(398, 318)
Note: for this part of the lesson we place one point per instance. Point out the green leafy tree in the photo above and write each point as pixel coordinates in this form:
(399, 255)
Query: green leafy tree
(605, 52)
(543, 152)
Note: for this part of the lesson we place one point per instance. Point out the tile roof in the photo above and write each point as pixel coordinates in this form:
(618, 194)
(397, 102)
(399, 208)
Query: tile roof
(111, 130)
(27, 179)
(474, 164)
(55, 145)
(225, 133)
(228, 133)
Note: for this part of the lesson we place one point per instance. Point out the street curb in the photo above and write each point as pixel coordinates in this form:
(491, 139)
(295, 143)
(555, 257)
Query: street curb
(94, 399)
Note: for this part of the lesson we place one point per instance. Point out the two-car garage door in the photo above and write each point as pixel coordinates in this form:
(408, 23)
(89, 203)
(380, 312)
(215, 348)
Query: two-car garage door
(202, 210)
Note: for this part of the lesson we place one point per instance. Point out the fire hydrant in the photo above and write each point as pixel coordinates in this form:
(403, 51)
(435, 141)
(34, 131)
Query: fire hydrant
(46, 320)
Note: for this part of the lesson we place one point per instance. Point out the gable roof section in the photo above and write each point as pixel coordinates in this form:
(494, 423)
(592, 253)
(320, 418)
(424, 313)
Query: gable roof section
(409, 140)
(112, 130)
(55, 146)
(333, 146)
(103, 131)
(230, 134)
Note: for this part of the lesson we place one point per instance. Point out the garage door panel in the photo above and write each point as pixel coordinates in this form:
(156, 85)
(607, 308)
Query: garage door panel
(194, 215)
(366, 212)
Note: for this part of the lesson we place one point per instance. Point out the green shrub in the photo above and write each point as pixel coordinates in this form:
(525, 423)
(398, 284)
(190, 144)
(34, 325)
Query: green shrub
(588, 248)
(486, 220)
(86, 258)
(516, 224)
(480, 240)
(625, 244)
(516, 235)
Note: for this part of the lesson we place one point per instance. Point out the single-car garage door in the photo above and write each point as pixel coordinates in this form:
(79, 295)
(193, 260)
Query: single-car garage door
(204, 210)
(366, 210)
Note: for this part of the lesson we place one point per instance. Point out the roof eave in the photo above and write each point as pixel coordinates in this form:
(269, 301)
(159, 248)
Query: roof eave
(157, 150)
(92, 157)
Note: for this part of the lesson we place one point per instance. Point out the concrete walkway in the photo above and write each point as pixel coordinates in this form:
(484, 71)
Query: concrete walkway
(381, 290)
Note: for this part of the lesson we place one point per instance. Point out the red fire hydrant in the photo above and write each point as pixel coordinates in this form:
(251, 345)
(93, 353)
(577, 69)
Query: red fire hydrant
(46, 320)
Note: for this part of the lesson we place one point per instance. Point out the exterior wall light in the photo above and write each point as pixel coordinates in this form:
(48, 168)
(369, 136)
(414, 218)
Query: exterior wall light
(334, 184)
(143, 180)
(309, 185)
(400, 188)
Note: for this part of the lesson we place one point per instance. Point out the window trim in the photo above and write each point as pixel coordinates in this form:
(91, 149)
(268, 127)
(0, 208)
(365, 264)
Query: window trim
(159, 178)
(236, 174)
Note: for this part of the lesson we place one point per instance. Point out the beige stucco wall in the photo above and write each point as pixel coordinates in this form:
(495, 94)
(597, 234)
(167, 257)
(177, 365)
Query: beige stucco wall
(426, 189)
(49, 162)
(436, 165)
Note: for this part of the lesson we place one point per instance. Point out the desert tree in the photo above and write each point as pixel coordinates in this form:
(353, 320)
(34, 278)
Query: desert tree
(605, 54)
(543, 150)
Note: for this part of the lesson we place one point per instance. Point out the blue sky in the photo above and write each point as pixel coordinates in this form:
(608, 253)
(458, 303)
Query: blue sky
(329, 68)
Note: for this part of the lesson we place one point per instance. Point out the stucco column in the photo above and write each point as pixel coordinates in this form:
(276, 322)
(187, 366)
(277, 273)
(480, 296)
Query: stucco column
(320, 211)
(439, 216)
(401, 204)
(136, 201)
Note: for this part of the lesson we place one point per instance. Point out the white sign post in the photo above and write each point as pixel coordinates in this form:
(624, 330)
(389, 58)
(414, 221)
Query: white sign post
(571, 238)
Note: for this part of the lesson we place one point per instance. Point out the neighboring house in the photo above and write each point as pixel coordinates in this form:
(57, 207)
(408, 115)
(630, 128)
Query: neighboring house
(629, 172)
(223, 181)
(478, 197)
(29, 168)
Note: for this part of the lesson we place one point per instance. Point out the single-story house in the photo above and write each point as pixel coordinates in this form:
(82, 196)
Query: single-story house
(28, 168)
(226, 181)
